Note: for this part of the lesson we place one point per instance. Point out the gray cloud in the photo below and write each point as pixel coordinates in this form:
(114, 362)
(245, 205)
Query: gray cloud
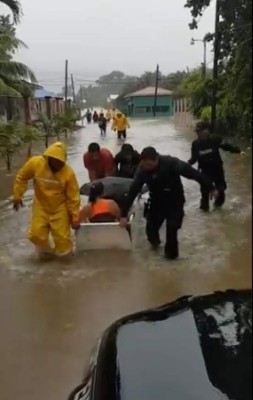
(98, 36)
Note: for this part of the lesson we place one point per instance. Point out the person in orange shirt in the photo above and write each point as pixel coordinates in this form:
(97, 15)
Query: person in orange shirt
(98, 209)
(98, 161)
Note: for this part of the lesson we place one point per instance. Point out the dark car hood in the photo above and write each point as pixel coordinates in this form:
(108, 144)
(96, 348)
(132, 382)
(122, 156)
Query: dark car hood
(193, 349)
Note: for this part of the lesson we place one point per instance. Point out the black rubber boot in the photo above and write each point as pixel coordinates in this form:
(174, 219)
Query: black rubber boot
(204, 204)
(172, 247)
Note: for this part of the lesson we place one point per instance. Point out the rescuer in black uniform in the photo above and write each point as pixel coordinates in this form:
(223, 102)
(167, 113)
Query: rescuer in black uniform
(162, 174)
(205, 151)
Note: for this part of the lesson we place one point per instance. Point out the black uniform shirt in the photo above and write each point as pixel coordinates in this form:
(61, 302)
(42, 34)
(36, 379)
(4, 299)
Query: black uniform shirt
(207, 154)
(165, 185)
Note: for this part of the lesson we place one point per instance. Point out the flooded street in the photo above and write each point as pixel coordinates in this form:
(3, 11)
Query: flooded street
(52, 313)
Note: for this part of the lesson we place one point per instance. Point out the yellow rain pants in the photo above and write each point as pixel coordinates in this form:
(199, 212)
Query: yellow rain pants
(56, 200)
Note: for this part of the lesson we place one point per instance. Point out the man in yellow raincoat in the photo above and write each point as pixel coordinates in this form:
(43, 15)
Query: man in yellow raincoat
(56, 200)
(120, 124)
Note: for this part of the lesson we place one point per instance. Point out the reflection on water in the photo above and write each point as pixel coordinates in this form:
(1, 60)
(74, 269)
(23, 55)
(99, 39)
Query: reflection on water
(52, 312)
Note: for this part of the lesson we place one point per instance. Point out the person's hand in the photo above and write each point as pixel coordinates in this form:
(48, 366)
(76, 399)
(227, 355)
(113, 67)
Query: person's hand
(123, 222)
(214, 194)
(75, 225)
(17, 204)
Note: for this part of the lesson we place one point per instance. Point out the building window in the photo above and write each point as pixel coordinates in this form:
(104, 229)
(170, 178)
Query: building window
(162, 109)
(142, 110)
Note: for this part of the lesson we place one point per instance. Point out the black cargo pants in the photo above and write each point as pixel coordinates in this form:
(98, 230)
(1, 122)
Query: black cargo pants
(156, 215)
(219, 181)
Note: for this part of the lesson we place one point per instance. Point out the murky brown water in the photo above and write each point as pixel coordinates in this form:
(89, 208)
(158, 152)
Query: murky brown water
(51, 314)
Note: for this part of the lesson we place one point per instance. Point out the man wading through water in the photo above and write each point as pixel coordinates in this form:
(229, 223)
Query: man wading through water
(205, 151)
(162, 174)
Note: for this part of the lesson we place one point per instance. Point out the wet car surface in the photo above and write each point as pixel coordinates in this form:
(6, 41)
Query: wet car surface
(196, 348)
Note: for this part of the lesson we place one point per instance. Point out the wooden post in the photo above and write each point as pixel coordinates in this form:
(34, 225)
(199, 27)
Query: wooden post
(66, 83)
(48, 107)
(73, 89)
(28, 120)
(216, 63)
(156, 90)
(28, 110)
(9, 108)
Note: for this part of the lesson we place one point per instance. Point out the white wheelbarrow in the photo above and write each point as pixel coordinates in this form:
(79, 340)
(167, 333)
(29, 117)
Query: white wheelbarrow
(104, 236)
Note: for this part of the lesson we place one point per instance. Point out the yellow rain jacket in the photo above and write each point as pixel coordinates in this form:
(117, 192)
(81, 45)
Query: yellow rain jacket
(56, 199)
(108, 115)
(120, 123)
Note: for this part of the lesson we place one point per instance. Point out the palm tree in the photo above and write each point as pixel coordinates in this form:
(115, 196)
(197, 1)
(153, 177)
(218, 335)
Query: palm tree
(13, 75)
(15, 8)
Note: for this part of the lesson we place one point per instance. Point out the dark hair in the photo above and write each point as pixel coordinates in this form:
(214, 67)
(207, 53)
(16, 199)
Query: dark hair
(127, 148)
(94, 148)
(149, 153)
(96, 191)
(202, 126)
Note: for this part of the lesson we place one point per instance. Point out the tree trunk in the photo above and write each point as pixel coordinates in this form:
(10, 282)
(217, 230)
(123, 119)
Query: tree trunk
(29, 151)
(46, 141)
(8, 161)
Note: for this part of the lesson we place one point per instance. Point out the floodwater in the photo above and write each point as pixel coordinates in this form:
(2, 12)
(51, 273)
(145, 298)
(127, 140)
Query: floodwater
(52, 313)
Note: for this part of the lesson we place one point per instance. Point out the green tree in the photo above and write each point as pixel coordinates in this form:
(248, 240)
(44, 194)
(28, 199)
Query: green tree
(14, 76)
(46, 127)
(197, 90)
(235, 60)
(15, 8)
(10, 141)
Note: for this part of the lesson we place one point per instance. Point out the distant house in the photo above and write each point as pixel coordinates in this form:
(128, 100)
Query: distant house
(111, 101)
(47, 103)
(141, 103)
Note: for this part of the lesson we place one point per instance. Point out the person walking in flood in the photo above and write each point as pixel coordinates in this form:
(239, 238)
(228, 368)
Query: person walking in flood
(162, 175)
(56, 200)
(88, 116)
(102, 123)
(120, 125)
(206, 152)
(126, 162)
(98, 208)
(98, 161)
(108, 116)
(95, 117)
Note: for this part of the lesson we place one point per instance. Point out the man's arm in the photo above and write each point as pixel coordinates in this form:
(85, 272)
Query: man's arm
(116, 163)
(185, 170)
(194, 155)
(109, 164)
(133, 192)
(73, 198)
(25, 174)
(229, 147)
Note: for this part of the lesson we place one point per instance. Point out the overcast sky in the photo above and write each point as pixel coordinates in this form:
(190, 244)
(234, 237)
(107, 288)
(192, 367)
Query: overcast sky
(98, 36)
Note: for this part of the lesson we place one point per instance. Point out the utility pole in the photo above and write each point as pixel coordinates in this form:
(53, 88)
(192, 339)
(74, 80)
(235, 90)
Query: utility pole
(156, 90)
(205, 61)
(216, 64)
(73, 89)
(193, 41)
(66, 83)
(81, 95)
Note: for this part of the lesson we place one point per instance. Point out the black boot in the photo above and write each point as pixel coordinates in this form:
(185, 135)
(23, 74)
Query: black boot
(204, 204)
(172, 247)
(220, 200)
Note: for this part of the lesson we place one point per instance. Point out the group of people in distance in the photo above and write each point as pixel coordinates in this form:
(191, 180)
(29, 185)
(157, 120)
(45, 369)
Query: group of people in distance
(120, 122)
(56, 206)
